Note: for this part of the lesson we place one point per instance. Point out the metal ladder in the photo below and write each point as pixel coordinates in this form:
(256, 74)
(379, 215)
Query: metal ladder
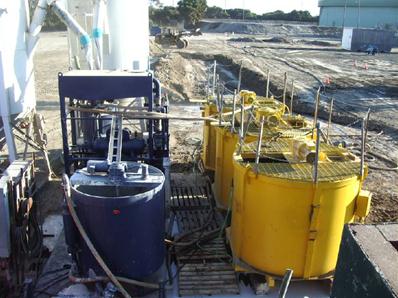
(115, 140)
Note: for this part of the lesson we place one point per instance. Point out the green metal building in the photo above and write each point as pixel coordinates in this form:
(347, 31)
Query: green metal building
(359, 13)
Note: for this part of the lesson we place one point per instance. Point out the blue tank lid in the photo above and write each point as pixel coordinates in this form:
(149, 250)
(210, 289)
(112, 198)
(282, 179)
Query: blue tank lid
(122, 180)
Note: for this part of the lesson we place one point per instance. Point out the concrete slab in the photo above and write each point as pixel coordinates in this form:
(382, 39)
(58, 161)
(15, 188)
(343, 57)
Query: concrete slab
(368, 262)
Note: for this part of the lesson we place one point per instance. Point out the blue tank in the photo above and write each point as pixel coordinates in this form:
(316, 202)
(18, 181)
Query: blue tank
(123, 213)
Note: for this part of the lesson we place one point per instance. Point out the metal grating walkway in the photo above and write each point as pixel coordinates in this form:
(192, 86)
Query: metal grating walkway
(205, 265)
(304, 171)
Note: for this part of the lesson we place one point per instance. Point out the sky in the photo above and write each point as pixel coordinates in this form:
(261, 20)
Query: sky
(261, 6)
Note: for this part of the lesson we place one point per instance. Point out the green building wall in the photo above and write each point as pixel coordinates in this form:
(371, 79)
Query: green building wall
(361, 13)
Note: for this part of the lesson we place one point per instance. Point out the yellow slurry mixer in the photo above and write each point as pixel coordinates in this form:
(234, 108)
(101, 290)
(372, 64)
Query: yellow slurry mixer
(284, 217)
(209, 137)
(290, 193)
(276, 124)
(209, 128)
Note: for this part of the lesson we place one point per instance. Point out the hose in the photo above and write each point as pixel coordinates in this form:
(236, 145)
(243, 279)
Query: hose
(111, 276)
(87, 239)
(194, 241)
(87, 280)
(382, 157)
(178, 242)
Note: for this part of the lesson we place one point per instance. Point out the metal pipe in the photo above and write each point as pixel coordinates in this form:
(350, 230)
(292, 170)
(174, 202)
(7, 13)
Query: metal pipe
(98, 31)
(89, 280)
(240, 76)
(318, 144)
(367, 125)
(260, 138)
(221, 103)
(291, 98)
(242, 116)
(317, 99)
(119, 148)
(233, 113)
(249, 120)
(208, 84)
(285, 283)
(35, 27)
(72, 24)
(214, 77)
(136, 115)
(284, 92)
(242, 122)
(268, 77)
(363, 143)
(330, 119)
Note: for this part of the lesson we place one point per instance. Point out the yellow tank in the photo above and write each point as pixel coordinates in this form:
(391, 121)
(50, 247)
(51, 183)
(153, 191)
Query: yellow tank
(209, 137)
(226, 143)
(282, 219)
(209, 129)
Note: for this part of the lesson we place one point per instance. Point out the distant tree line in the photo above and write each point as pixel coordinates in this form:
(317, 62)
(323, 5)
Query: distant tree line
(215, 12)
(192, 11)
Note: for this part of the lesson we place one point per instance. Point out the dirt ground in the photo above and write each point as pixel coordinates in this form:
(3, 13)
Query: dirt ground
(310, 56)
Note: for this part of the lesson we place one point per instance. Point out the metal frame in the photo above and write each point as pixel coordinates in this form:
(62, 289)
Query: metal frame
(98, 86)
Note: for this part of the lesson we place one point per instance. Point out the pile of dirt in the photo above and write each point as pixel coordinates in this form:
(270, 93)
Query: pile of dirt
(244, 39)
(278, 39)
(229, 27)
(275, 39)
(180, 78)
(383, 208)
(321, 43)
(271, 28)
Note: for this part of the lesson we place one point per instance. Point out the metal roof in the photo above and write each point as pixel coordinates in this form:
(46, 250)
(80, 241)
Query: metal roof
(362, 3)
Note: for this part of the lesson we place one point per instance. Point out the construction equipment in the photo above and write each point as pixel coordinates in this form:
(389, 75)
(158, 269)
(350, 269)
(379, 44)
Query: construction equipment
(289, 210)
(88, 99)
(20, 234)
(173, 37)
(228, 137)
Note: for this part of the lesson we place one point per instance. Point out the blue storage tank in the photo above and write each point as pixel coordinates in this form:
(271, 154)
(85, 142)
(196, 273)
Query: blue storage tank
(123, 214)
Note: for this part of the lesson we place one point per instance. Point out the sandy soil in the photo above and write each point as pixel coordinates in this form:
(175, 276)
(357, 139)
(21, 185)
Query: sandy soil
(308, 62)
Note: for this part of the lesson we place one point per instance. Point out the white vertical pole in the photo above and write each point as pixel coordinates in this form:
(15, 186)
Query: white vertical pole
(267, 90)
(291, 99)
(233, 112)
(318, 145)
(284, 92)
(363, 148)
(5, 115)
(259, 143)
(240, 76)
(214, 77)
(330, 119)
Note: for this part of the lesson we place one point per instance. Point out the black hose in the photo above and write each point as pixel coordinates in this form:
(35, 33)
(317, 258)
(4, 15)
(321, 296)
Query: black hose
(385, 159)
